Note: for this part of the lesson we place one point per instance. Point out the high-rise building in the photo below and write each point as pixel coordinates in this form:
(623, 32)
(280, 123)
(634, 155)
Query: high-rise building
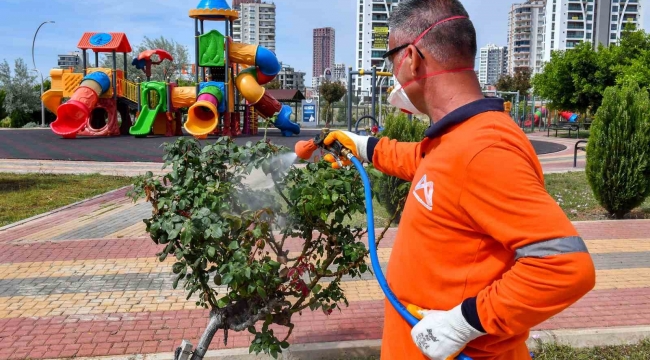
(526, 36)
(289, 78)
(613, 17)
(256, 23)
(570, 22)
(324, 50)
(493, 63)
(372, 35)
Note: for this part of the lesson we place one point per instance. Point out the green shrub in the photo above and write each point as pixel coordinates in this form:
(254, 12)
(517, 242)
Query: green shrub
(618, 153)
(19, 118)
(220, 231)
(30, 125)
(391, 191)
(5, 123)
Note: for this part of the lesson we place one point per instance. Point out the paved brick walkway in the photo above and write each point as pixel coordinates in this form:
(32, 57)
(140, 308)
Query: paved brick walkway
(559, 161)
(85, 281)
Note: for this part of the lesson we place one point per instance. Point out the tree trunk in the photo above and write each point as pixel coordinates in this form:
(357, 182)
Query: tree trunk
(214, 325)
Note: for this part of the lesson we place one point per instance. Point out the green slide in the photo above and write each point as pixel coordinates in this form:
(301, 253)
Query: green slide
(148, 115)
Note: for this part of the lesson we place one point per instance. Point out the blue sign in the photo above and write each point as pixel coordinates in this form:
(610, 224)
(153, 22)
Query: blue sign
(100, 39)
(308, 113)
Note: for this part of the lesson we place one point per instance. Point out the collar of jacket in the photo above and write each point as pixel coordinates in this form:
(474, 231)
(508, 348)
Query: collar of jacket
(462, 114)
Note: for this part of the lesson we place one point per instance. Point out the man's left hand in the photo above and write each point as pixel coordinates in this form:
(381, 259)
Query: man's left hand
(441, 335)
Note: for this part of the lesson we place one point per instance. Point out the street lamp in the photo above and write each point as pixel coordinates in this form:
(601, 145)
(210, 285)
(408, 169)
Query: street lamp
(41, 74)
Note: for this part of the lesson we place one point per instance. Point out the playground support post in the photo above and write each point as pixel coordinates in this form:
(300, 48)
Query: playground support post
(202, 32)
(226, 81)
(349, 99)
(114, 75)
(85, 63)
(374, 92)
(126, 71)
(96, 59)
(196, 53)
(139, 93)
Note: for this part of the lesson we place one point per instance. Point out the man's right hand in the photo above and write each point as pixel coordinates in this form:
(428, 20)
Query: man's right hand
(358, 145)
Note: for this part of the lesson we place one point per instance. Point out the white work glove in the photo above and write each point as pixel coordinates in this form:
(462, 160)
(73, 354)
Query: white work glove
(353, 142)
(442, 335)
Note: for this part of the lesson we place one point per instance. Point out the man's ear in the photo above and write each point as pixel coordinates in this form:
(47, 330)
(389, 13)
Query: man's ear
(416, 60)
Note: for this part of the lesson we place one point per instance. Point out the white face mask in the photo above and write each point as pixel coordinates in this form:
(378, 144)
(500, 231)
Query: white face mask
(399, 99)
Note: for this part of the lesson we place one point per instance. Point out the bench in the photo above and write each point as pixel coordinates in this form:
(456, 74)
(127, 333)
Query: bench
(563, 127)
(575, 151)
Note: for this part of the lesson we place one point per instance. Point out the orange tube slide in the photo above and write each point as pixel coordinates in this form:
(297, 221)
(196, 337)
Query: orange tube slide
(183, 97)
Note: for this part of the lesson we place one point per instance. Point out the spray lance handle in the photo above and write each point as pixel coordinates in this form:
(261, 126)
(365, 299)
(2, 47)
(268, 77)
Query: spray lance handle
(305, 149)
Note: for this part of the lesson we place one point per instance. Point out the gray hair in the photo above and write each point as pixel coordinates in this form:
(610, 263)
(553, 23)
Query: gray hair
(451, 43)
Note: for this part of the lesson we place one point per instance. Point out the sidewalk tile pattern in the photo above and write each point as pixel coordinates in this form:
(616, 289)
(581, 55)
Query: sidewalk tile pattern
(85, 281)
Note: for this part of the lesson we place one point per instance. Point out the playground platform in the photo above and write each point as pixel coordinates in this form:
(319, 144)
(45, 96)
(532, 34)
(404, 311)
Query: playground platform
(42, 144)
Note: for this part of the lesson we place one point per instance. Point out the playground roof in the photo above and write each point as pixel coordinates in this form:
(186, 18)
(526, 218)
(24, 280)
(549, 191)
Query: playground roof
(214, 10)
(287, 95)
(117, 42)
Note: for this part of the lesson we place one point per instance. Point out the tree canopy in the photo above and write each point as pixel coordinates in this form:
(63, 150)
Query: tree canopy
(576, 79)
(160, 72)
(331, 93)
(520, 81)
(20, 94)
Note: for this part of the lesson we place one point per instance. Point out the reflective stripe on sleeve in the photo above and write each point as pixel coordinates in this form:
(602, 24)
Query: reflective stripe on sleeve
(559, 246)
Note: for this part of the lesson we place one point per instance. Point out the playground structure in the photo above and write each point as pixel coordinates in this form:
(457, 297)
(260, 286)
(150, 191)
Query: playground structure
(375, 125)
(227, 70)
(96, 96)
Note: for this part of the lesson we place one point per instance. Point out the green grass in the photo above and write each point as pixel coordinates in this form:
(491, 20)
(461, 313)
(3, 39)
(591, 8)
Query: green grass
(573, 193)
(570, 190)
(640, 351)
(381, 217)
(25, 195)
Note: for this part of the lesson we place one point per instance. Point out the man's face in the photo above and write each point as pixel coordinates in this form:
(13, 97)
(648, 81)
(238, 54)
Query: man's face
(400, 64)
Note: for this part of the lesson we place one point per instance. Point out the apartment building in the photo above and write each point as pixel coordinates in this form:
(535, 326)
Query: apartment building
(256, 23)
(372, 31)
(289, 78)
(493, 63)
(526, 36)
(570, 22)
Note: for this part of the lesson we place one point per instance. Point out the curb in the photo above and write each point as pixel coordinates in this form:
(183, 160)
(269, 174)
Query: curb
(581, 338)
(578, 338)
(51, 212)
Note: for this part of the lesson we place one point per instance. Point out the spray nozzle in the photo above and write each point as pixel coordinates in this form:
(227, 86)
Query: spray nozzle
(305, 149)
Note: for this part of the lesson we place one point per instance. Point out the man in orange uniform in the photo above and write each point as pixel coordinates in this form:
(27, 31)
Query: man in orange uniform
(481, 243)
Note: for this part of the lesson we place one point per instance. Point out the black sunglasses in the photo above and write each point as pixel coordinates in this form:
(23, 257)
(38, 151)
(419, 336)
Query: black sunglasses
(392, 52)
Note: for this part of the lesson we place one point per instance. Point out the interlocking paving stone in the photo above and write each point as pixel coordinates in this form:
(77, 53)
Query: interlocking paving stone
(628, 260)
(108, 225)
(39, 286)
(85, 284)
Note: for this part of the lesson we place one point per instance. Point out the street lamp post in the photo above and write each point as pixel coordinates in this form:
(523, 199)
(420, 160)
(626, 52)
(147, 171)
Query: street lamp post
(41, 74)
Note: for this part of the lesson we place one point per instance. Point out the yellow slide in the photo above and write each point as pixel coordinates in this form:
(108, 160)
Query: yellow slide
(52, 99)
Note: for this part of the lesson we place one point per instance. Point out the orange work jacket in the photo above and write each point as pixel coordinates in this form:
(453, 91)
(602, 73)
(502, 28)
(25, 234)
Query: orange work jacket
(479, 229)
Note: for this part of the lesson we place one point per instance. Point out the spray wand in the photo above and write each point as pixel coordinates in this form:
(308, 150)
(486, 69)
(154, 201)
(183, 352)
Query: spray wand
(305, 150)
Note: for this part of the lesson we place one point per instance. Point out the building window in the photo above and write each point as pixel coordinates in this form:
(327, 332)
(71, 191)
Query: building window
(612, 36)
(613, 27)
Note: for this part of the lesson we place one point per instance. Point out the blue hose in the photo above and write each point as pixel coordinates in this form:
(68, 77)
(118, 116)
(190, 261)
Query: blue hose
(374, 259)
